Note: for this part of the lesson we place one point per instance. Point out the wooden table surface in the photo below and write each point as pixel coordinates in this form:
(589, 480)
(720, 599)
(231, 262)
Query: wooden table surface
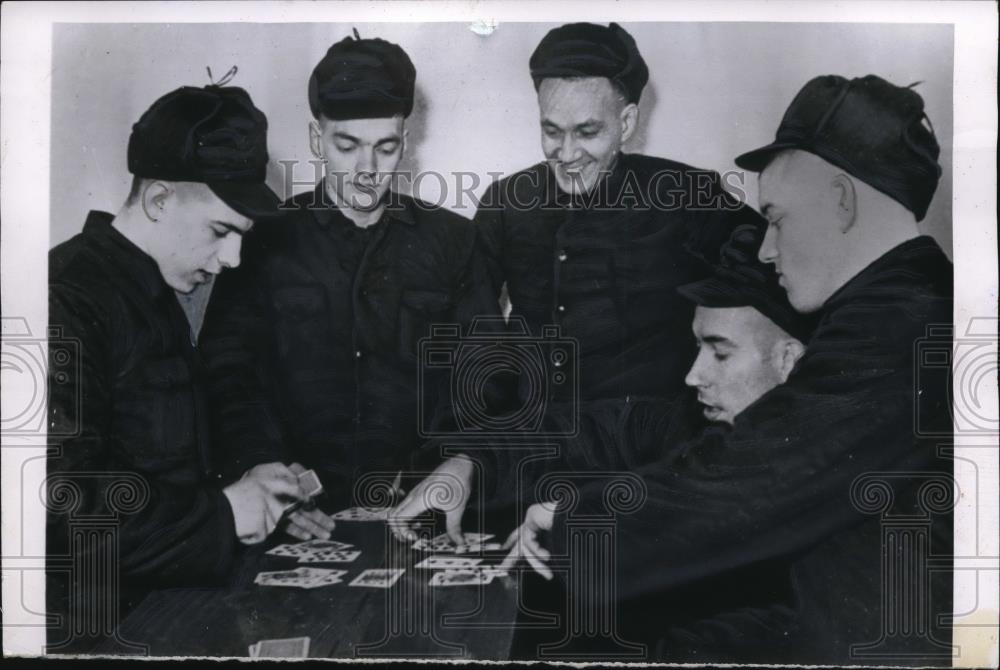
(411, 619)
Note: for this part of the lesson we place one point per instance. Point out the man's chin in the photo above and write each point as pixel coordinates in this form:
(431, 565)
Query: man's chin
(716, 414)
(573, 185)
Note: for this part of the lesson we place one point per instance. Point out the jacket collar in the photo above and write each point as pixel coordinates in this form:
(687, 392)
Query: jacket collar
(915, 253)
(397, 208)
(132, 260)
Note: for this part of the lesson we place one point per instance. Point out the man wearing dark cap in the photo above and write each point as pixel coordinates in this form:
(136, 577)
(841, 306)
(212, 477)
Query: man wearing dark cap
(596, 240)
(340, 290)
(749, 339)
(129, 420)
(837, 469)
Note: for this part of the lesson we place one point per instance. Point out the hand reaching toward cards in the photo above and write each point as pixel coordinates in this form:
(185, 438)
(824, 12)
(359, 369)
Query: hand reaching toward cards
(259, 500)
(523, 542)
(307, 522)
(447, 490)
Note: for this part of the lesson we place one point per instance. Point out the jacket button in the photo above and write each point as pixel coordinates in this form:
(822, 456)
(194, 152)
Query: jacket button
(562, 256)
(357, 354)
(561, 308)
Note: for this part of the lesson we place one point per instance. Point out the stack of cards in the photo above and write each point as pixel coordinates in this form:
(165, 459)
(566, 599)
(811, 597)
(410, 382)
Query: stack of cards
(362, 514)
(309, 482)
(442, 544)
(293, 647)
(317, 551)
(302, 578)
(378, 578)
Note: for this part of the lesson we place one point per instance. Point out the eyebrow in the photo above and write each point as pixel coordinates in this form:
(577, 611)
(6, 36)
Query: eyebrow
(589, 122)
(231, 228)
(357, 140)
(716, 339)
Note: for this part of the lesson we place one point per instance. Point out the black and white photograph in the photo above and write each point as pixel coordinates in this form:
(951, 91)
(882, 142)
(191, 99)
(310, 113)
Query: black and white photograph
(612, 332)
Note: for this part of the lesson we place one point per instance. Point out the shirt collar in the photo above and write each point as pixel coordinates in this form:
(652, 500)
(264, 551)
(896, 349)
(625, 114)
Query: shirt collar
(135, 262)
(397, 208)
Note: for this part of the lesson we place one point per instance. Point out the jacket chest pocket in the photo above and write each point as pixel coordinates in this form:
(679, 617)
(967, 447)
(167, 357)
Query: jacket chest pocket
(156, 421)
(418, 312)
(301, 326)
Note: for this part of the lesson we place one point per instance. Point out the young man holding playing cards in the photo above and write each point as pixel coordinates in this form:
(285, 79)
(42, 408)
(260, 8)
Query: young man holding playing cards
(127, 411)
(335, 296)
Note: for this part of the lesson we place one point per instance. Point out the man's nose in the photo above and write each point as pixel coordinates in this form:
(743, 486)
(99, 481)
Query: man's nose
(694, 377)
(229, 255)
(768, 252)
(366, 163)
(568, 149)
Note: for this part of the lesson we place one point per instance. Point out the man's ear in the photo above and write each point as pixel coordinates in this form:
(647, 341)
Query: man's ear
(847, 201)
(791, 352)
(315, 139)
(630, 120)
(155, 196)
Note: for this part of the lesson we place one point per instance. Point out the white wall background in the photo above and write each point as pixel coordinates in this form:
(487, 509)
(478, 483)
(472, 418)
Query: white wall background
(716, 90)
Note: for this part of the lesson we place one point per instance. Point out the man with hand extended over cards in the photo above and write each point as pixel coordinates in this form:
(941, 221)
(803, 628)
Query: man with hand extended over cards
(127, 408)
(851, 172)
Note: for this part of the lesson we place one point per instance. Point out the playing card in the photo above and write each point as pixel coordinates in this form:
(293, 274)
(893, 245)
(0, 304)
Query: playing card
(324, 545)
(442, 544)
(290, 550)
(461, 578)
(304, 578)
(283, 578)
(470, 538)
(332, 556)
(378, 578)
(478, 548)
(335, 577)
(448, 563)
(253, 649)
(293, 647)
(309, 483)
(362, 514)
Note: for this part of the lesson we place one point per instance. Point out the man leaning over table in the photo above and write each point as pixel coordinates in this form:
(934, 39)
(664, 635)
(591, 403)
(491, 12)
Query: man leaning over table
(129, 423)
(851, 172)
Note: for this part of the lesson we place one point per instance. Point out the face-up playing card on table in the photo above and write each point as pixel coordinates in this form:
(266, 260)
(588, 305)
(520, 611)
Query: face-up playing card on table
(303, 578)
(448, 563)
(362, 514)
(324, 545)
(461, 578)
(293, 647)
(378, 578)
(289, 550)
(470, 538)
(331, 556)
(335, 577)
(442, 544)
